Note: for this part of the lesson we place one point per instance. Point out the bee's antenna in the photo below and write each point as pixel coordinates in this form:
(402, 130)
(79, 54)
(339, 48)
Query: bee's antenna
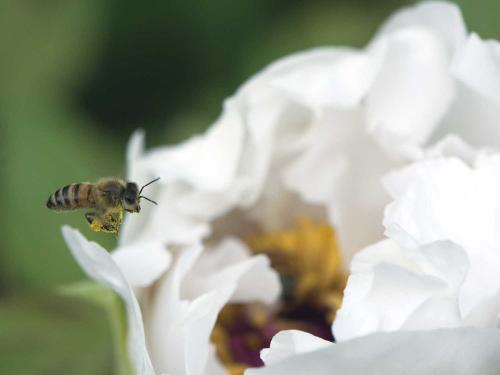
(146, 198)
(149, 183)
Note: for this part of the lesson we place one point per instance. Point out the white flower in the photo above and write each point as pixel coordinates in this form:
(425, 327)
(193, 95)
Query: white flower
(309, 136)
(445, 351)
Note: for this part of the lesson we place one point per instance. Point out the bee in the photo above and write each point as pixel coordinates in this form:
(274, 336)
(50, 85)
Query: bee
(109, 197)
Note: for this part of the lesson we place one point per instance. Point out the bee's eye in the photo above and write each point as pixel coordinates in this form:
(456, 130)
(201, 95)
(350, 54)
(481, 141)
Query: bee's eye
(129, 198)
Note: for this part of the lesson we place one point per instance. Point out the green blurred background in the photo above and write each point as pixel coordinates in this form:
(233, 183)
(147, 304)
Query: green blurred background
(76, 78)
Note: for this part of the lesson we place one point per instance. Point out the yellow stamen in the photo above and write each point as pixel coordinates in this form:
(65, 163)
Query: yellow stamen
(310, 254)
(307, 256)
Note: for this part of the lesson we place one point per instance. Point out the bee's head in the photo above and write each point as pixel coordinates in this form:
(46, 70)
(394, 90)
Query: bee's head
(132, 196)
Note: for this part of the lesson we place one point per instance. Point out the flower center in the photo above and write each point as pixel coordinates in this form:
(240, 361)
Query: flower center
(307, 257)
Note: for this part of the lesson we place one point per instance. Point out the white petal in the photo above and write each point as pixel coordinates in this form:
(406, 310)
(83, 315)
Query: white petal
(392, 288)
(329, 143)
(230, 262)
(451, 145)
(478, 66)
(338, 77)
(206, 206)
(286, 344)
(135, 151)
(461, 351)
(428, 197)
(474, 117)
(179, 328)
(199, 321)
(99, 265)
(342, 168)
(413, 90)
(207, 162)
(475, 113)
(267, 120)
(446, 199)
(142, 263)
(485, 314)
(277, 129)
(162, 223)
(185, 347)
(138, 227)
(440, 17)
(276, 126)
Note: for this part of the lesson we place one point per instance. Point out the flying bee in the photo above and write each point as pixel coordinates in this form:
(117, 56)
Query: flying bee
(108, 196)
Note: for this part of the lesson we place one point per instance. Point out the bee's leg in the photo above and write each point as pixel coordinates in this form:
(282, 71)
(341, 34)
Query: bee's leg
(113, 218)
(110, 224)
(116, 219)
(104, 223)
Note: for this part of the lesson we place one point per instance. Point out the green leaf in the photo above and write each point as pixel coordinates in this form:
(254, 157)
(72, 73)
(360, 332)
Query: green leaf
(106, 298)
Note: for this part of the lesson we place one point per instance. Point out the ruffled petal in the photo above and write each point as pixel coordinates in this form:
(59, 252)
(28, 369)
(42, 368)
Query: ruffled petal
(325, 77)
(99, 265)
(231, 262)
(206, 162)
(155, 223)
(341, 169)
(287, 344)
(478, 66)
(443, 18)
(460, 351)
(199, 320)
(167, 317)
(162, 223)
(392, 288)
(412, 91)
(447, 199)
(475, 112)
(428, 196)
(187, 301)
(474, 117)
(142, 263)
(135, 151)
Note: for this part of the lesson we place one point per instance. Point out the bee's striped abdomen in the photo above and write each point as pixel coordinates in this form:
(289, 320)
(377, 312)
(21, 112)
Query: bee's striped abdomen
(71, 197)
